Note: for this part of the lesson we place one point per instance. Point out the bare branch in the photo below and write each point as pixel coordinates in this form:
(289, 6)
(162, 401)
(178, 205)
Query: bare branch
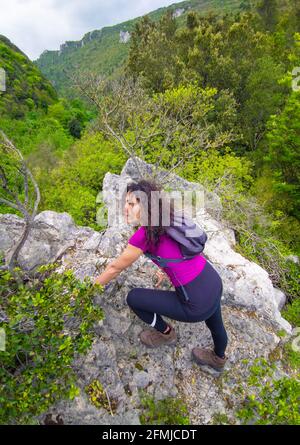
(134, 119)
(9, 203)
(16, 203)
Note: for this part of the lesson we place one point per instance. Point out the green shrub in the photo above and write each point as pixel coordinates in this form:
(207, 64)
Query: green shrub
(99, 397)
(291, 312)
(291, 356)
(270, 253)
(216, 170)
(270, 401)
(82, 168)
(169, 411)
(36, 365)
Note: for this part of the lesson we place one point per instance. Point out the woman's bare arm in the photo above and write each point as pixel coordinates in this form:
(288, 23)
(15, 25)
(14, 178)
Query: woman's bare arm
(129, 255)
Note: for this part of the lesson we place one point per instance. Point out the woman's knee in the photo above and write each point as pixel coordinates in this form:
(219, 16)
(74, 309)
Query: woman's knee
(132, 296)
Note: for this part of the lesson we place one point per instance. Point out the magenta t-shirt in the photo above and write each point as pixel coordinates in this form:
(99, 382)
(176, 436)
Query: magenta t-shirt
(179, 273)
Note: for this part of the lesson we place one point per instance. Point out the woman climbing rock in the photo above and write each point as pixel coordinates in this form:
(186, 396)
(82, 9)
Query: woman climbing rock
(198, 286)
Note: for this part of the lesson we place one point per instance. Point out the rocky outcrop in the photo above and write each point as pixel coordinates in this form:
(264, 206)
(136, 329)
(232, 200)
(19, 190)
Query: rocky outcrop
(2, 79)
(251, 309)
(124, 36)
(178, 12)
(73, 44)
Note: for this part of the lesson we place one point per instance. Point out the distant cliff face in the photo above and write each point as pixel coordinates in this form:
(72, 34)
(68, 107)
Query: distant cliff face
(98, 50)
(178, 12)
(124, 36)
(251, 308)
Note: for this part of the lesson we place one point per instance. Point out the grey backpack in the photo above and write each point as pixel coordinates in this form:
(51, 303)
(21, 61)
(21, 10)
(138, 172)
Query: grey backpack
(191, 239)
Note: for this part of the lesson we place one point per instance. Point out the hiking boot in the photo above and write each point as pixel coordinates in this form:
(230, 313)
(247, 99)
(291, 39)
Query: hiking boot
(209, 357)
(154, 338)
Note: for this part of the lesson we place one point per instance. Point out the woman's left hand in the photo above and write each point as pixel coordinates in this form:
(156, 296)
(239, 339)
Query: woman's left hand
(160, 276)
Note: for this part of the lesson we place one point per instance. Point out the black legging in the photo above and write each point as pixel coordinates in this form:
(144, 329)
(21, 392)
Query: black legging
(204, 304)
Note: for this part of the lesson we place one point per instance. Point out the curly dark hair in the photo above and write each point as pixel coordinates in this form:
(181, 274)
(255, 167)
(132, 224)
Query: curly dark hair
(159, 203)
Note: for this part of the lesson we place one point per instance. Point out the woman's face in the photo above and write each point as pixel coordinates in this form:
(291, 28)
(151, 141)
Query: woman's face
(132, 210)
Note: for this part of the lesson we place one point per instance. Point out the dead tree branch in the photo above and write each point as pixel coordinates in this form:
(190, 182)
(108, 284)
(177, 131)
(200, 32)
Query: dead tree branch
(14, 201)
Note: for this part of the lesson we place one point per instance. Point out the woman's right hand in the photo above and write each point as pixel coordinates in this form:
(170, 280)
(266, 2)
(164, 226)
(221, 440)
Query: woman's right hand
(160, 276)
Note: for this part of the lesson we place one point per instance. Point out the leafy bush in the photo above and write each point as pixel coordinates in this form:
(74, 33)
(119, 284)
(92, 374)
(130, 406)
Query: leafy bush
(282, 155)
(47, 320)
(72, 115)
(270, 253)
(218, 169)
(291, 312)
(26, 87)
(169, 411)
(99, 397)
(291, 357)
(272, 401)
(82, 169)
